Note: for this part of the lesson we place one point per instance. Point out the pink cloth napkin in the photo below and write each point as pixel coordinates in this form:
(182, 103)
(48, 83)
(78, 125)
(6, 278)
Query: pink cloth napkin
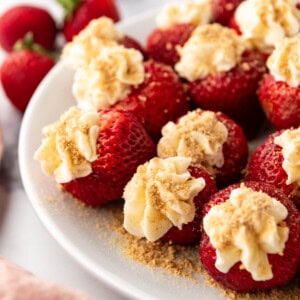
(19, 284)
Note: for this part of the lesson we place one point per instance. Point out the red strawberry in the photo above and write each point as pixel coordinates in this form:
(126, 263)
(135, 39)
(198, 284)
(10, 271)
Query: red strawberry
(235, 151)
(81, 12)
(223, 10)
(284, 267)
(130, 42)
(234, 92)
(122, 145)
(190, 233)
(21, 73)
(161, 43)
(280, 102)
(266, 165)
(19, 20)
(159, 99)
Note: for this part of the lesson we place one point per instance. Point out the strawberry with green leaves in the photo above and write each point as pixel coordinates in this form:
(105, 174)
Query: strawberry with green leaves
(80, 12)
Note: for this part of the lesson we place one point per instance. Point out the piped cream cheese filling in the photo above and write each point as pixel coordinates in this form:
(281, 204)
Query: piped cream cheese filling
(69, 145)
(160, 195)
(289, 141)
(198, 135)
(211, 49)
(87, 45)
(108, 78)
(246, 228)
(266, 22)
(284, 62)
(193, 12)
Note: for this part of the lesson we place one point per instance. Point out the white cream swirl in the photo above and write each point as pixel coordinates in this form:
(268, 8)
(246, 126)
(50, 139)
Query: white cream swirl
(160, 195)
(246, 228)
(69, 145)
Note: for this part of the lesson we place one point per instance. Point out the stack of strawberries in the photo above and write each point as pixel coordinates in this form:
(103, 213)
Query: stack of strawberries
(166, 129)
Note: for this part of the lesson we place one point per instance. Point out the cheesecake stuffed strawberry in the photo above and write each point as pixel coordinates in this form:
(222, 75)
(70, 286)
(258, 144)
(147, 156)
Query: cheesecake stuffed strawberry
(164, 200)
(251, 237)
(212, 140)
(175, 24)
(92, 155)
(223, 74)
(264, 23)
(276, 162)
(279, 93)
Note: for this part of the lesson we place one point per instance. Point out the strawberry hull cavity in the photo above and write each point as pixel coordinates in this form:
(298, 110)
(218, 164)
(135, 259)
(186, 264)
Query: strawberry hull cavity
(280, 267)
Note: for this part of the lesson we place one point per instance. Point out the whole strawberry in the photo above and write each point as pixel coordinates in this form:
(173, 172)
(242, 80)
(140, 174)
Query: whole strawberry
(267, 164)
(81, 12)
(223, 10)
(22, 71)
(239, 248)
(164, 200)
(162, 44)
(16, 22)
(94, 154)
(159, 99)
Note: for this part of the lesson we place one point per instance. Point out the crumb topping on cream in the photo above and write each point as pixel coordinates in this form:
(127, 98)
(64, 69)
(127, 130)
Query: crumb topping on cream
(210, 49)
(160, 195)
(108, 78)
(69, 145)
(193, 12)
(197, 135)
(284, 62)
(289, 140)
(265, 22)
(246, 228)
(85, 46)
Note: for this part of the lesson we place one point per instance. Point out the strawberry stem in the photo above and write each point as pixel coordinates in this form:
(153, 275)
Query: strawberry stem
(69, 6)
(27, 43)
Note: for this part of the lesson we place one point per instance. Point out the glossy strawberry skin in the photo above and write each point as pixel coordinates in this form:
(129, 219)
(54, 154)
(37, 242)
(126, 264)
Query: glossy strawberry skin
(122, 146)
(17, 21)
(223, 10)
(21, 73)
(161, 43)
(266, 165)
(159, 99)
(130, 42)
(284, 267)
(190, 233)
(85, 12)
(280, 102)
(235, 152)
(234, 92)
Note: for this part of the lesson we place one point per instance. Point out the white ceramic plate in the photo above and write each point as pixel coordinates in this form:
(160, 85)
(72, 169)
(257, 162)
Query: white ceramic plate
(74, 229)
